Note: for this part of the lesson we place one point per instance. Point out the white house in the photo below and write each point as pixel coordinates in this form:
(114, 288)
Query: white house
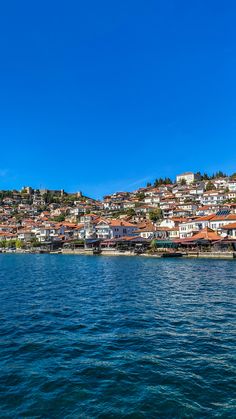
(25, 235)
(153, 199)
(129, 204)
(188, 177)
(174, 233)
(231, 194)
(187, 229)
(218, 221)
(232, 185)
(220, 182)
(230, 230)
(168, 222)
(110, 229)
(47, 234)
(148, 232)
(213, 197)
(203, 222)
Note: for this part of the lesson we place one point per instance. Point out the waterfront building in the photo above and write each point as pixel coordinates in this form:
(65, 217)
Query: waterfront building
(109, 229)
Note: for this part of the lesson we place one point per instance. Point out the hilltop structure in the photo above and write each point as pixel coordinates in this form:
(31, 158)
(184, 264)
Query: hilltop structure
(188, 177)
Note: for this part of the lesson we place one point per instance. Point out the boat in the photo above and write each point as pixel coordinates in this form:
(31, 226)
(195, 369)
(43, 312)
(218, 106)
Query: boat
(171, 255)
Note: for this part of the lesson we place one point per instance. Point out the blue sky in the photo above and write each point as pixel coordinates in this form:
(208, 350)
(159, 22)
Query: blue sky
(102, 95)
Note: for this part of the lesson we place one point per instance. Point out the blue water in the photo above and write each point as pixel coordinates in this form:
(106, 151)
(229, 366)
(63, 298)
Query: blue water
(100, 337)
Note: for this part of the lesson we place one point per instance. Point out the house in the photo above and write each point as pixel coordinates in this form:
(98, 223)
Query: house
(213, 221)
(50, 233)
(231, 207)
(58, 211)
(207, 210)
(207, 235)
(188, 177)
(79, 232)
(109, 229)
(168, 210)
(231, 184)
(213, 197)
(220, 183)
(168, 222)
(5, 228)
(187, 229)
(153, 232)
(188, 206)
(197, 190)
(153, 199)
(7, 236)
(76, 211)
(144, 209)
(231, 194)
(129, 204)
(148, 232)
(203, 222)
(230, 230)
(25, 235)
(179, 212)
(88, 218)
(174, 233)
(218, 221)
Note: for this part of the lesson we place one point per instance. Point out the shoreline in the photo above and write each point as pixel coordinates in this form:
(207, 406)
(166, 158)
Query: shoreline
(113, 253)
(197, 255)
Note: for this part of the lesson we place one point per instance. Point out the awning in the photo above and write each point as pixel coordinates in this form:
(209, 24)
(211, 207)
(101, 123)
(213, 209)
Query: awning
(165, 243)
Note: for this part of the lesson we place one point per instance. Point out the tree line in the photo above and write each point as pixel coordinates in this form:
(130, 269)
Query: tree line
(202, 176)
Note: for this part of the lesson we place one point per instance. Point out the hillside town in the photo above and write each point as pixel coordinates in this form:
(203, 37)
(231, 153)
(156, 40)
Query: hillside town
(194, 211)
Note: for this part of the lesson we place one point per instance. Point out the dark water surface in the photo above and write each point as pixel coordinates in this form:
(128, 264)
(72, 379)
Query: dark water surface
(102, 337)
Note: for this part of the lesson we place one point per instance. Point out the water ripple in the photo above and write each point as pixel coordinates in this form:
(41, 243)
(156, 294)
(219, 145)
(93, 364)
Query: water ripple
(116, 337)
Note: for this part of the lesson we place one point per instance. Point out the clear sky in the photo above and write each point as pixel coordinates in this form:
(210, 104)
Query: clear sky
(101, 96)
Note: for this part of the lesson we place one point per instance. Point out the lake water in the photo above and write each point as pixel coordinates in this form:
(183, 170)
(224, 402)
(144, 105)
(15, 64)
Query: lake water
(114, 337)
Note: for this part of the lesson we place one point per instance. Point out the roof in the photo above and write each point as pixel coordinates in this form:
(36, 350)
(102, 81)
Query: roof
(229, 226)
(117, 223)
(204, 234)
(7, 234)
(214, 192)
(24, 231)
(205, 207)
(179, 219)
(130, 239)
(186, 173)
(224, 217)
(66, 224)
(205, 217)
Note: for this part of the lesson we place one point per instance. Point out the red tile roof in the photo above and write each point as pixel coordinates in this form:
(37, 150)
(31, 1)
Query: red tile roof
(205, 234)
(229, 226)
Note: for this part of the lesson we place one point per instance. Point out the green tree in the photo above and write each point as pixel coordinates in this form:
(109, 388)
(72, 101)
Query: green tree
(153, 246)
(220, 174)
(140, 196)
(19, 244)
(160, 181)
(130, 212)
(59, 218)
(210, 186)
(199, 175)
(35, 242)
(155, 215)
(10, 243)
